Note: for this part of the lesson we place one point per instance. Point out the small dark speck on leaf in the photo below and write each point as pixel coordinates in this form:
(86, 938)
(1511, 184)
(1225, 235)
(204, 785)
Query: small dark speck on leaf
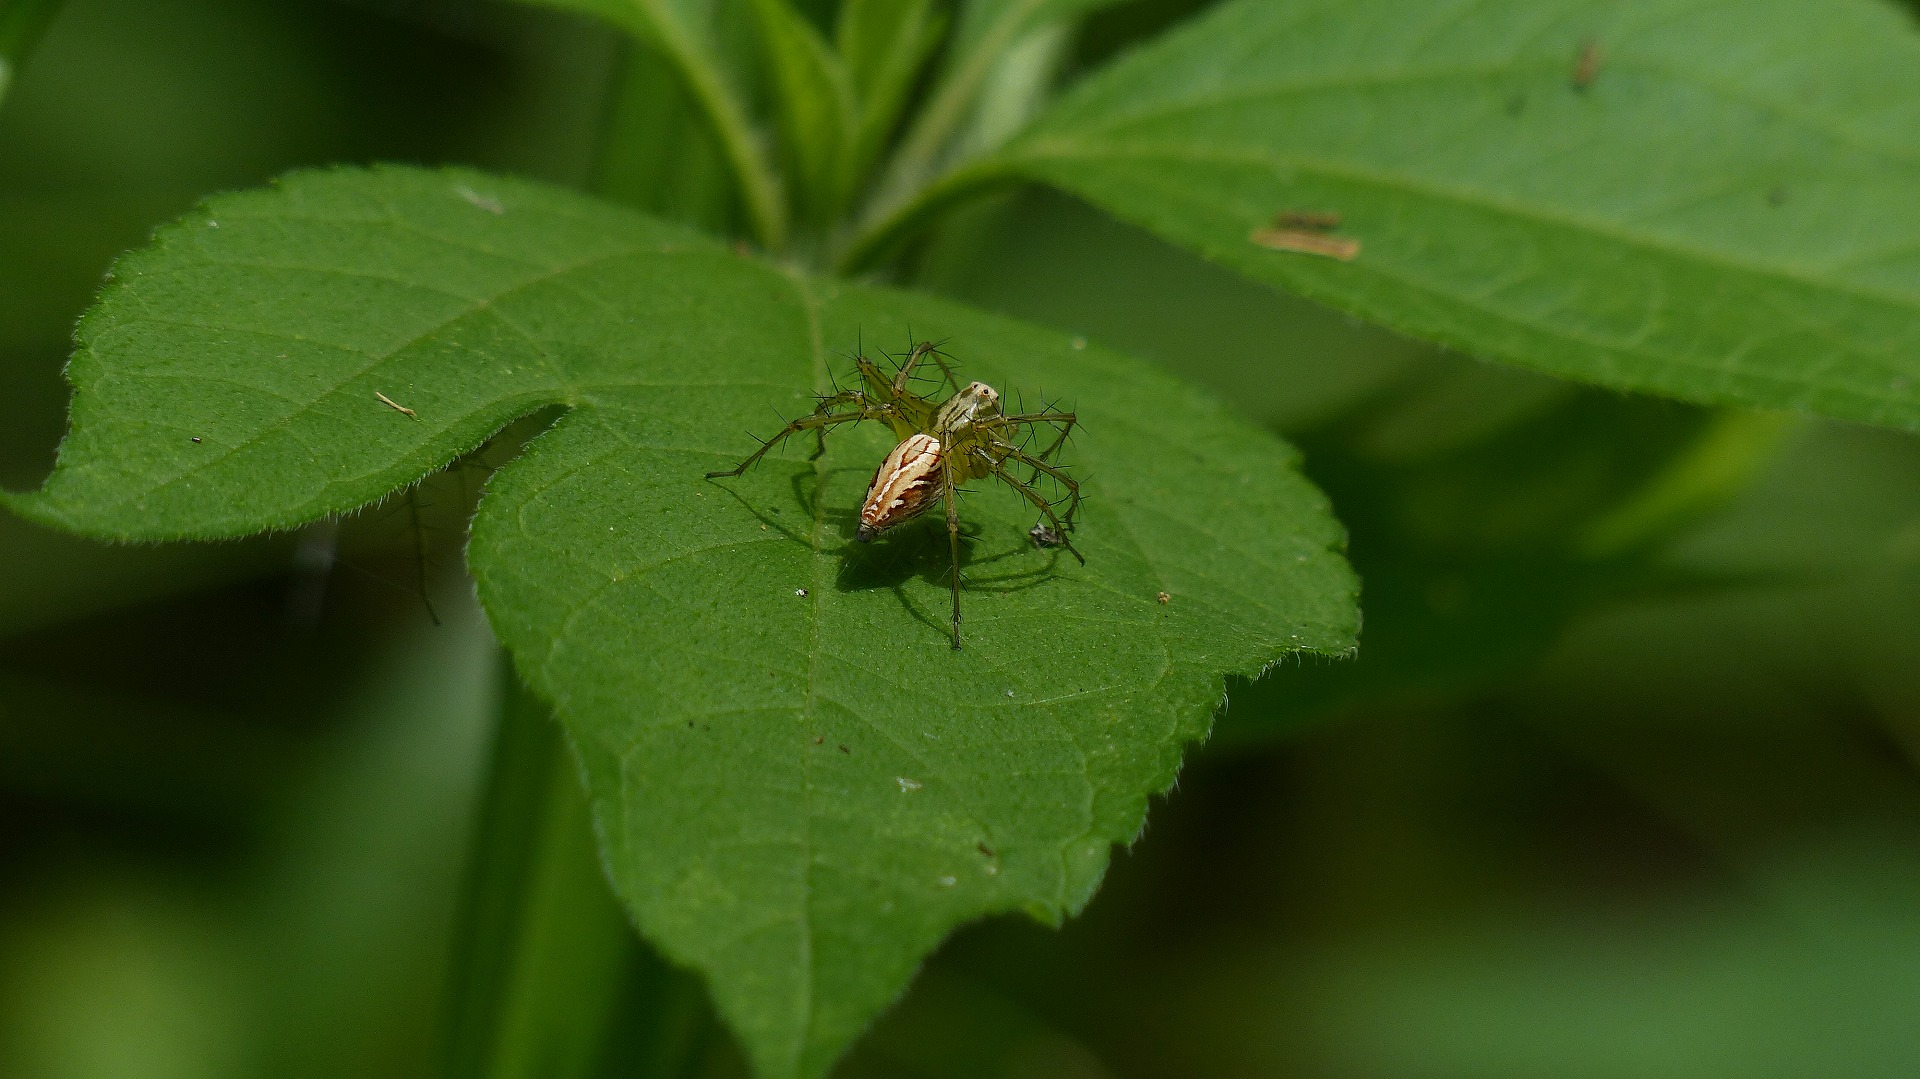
(819, 738)
(1777, 195)
(196, 440)
(1309, 220)
(844, 749)
(986, 850)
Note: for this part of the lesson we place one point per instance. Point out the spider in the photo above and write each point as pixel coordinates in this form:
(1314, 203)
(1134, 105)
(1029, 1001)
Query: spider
(943, 444)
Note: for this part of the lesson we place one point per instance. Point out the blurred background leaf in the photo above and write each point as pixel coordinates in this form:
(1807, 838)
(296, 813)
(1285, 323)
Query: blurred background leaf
(1663, 827)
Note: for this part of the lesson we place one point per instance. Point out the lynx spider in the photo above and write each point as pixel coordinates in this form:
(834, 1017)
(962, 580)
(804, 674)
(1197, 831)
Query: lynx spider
(943, 444)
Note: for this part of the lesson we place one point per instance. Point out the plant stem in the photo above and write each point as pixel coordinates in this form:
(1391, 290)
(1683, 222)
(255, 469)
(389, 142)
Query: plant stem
(947, 109)
(759, 184)
(21, 24)
(543, 948)
(1722, 460)
(889, 226)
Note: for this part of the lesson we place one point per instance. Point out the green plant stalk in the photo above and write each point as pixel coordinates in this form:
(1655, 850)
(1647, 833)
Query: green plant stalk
(947, 109)
(759, 184)
(1722, 461)
(21, 24)
(879, 238)
(1004, 82)
(543, 947)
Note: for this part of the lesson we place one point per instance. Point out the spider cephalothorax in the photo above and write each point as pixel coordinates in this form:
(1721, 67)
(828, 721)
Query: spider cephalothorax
(943, 444)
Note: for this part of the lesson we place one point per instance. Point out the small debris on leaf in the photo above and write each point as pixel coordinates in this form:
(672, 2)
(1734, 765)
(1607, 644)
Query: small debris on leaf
(196, 440)
(1344, 248)
(1307, 220)
(1587, 67)
(800, 592)
(397, 407)
(1044, 536)
(1163, 598)
(907, 786)
(484, 202)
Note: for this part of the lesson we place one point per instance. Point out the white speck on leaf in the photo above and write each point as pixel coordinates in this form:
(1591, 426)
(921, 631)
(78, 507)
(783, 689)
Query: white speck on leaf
(948, 882)
(907, 786)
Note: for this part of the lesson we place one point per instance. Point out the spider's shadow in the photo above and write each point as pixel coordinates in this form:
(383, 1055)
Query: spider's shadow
(919, 549)
(916, 549)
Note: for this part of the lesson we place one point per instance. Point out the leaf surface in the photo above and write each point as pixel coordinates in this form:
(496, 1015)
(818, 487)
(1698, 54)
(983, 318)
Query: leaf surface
(1706, 200)
(799, 787)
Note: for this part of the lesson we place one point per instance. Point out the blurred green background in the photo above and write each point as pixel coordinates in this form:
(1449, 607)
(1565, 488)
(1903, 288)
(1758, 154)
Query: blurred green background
(1623, 784)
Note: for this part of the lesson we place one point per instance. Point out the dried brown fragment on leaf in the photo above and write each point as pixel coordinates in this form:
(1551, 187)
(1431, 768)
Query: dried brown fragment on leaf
(1587, 67)
(1307, 220)
(1344, 248)
(1163, 598)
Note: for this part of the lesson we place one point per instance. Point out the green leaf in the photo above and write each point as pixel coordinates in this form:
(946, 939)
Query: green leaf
(989, 33)
(813, 100)
(991, 25)
(799, 787)
(682, 31)
(885, 44)
(1723, 212)
(21, 24)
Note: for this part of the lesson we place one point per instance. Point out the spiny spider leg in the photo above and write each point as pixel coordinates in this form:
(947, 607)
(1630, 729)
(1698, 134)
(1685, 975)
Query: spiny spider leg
(940, 359)
(1059, 476)
(914, 352)
(819, 419)
(1066, 420)
(951, 495)
(1061, 529)
(879, 386)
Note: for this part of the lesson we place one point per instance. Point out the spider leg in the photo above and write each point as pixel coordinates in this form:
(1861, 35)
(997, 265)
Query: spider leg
(879, 387)
(1061, 528)
(953, 545)
(818, 420)
(914, 353)
(940, 360)
(1057, 474)
(1066, 422)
